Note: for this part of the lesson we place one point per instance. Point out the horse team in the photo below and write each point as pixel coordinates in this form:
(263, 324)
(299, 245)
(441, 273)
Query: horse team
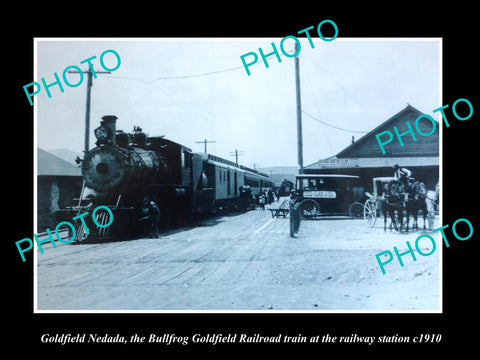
(407, 197)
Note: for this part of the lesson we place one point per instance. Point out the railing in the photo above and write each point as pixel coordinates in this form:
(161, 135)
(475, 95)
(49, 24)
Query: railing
(294, 218)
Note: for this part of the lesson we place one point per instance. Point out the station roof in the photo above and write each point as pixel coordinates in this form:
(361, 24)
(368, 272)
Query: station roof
(367, 146)
(51, 165)
(365, 152)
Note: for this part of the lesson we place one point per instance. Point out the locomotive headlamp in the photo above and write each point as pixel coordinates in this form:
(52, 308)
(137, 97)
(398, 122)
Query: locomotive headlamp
(101, 133)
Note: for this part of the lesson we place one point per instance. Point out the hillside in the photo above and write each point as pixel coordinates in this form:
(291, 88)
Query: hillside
(279, 173)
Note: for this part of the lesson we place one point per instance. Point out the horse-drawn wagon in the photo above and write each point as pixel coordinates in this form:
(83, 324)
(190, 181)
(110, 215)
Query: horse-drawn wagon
(400, 199)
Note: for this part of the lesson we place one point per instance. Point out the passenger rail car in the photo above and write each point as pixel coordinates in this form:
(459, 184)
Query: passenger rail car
(232, 186)
(152, 182)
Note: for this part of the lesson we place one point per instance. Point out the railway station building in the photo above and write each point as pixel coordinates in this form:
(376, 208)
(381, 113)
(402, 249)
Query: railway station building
(58, 183)
(364, 157)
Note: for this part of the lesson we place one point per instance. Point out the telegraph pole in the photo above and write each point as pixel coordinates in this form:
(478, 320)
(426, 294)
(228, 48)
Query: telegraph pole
(299, 114)
(87, 111)
(204, 142)
(236, 154)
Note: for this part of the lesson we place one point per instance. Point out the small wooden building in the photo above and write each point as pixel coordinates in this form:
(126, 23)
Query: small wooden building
(365, 159)
(58, 183)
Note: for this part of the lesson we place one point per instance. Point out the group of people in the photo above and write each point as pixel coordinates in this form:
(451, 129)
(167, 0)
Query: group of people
(266, 197)
(405, 182)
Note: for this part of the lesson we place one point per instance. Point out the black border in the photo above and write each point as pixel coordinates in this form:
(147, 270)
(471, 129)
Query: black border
(455, 24)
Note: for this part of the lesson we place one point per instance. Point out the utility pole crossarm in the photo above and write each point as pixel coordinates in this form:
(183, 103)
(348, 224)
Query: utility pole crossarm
(236, 154)
(204, 142)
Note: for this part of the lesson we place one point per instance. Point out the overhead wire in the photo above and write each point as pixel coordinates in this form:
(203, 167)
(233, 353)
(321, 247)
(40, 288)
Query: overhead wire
(315, 102)
(227, 70)
(333, 126)
(176, 77)
(185, 76)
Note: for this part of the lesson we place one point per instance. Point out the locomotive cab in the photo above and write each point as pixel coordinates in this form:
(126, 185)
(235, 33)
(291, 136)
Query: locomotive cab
(179, 159)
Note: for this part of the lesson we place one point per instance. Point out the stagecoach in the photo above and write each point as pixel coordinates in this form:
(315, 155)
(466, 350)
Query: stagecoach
(375, 204)
(326, 194)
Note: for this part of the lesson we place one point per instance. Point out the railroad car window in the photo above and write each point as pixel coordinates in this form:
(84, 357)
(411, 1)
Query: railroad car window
(235, 184)
(251, 182)
(186, 160)
(228, 182)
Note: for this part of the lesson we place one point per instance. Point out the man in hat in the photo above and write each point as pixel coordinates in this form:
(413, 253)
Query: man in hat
(151, 217)
(402, 174)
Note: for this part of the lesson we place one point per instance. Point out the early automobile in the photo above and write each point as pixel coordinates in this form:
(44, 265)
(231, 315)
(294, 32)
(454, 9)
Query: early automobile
(326, 194)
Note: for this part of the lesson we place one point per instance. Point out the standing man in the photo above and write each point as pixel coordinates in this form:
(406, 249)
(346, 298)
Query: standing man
(151, 217)
(402, 174)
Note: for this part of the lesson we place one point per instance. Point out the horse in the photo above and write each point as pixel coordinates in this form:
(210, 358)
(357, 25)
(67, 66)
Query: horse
(416, 201)
(394, 198)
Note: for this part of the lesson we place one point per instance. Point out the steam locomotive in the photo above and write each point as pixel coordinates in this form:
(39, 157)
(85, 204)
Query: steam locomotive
(129, 171)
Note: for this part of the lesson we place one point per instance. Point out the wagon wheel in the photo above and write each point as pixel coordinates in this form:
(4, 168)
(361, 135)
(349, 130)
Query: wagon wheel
(309, 209)
(370, 212)
(355, 210)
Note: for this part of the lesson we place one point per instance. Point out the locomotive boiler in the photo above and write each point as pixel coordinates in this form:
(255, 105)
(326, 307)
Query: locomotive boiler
(113, 164)
(152, 181)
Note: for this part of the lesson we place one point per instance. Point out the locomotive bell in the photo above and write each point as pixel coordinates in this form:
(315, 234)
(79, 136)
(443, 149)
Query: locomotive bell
(108, 123)
(139, 137)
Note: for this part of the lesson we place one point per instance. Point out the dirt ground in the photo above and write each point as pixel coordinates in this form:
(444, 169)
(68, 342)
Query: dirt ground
(244, 262)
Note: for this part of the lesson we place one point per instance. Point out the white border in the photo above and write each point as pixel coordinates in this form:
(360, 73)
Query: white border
(35, 203)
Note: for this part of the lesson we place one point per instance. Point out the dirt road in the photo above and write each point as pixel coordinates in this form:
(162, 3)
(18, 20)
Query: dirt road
(242, 262)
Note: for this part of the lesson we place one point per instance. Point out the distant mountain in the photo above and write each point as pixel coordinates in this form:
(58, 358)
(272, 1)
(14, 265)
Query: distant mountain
(66, 154)
(279, 173)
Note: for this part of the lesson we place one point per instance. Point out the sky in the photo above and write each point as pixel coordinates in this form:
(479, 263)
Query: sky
(195, 89)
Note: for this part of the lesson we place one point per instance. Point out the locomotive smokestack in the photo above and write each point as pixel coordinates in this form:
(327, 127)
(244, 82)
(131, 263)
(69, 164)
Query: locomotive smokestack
(109, 121)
